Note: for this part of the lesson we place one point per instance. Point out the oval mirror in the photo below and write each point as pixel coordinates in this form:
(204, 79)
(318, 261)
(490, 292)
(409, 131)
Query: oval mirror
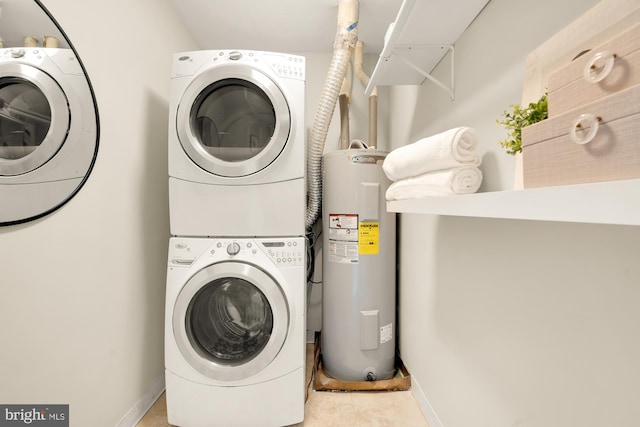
(48, 115)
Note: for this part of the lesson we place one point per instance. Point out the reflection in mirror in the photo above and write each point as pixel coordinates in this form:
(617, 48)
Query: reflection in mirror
(48, 115)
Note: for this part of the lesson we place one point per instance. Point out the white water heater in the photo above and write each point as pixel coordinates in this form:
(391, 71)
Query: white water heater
(358, 267)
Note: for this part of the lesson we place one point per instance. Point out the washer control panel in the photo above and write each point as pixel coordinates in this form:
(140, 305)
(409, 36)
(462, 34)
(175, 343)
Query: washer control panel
(285, 252)
(281, 251)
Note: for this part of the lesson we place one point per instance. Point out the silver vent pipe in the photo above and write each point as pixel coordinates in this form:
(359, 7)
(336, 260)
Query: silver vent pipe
(343, 46)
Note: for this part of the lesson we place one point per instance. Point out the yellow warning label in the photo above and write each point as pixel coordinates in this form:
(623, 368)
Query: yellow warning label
(368, 238)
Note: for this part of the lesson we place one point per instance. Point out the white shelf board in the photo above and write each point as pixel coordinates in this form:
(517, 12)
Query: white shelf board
(422, 33)
(615, 202)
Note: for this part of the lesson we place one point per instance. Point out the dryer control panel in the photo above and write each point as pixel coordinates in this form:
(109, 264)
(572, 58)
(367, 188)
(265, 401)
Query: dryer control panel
(289, 66)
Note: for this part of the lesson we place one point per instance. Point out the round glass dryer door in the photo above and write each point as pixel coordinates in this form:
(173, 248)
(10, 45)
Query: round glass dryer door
(233, 121)
(230, 321)
(34, 118)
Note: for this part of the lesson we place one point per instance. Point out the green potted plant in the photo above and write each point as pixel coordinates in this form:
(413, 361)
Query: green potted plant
(518, 118)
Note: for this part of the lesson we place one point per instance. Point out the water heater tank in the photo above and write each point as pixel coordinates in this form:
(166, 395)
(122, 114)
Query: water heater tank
(358, 267)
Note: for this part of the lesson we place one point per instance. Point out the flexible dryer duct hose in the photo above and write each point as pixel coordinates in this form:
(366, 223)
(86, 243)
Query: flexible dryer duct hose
(345, 41)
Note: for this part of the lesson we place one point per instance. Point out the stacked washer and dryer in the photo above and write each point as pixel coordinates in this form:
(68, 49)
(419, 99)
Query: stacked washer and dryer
(236, 285)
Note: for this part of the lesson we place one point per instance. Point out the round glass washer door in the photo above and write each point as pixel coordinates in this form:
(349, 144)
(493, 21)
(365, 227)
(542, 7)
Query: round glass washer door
(233, 121)
(230, 321)
(34, 118)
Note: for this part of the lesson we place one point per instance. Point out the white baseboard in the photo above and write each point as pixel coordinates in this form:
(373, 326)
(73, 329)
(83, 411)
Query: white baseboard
(424, 405)
(145, 403)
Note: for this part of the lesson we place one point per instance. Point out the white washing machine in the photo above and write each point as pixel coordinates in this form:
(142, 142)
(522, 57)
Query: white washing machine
(237, 144)
(235, 331)
(48, 131)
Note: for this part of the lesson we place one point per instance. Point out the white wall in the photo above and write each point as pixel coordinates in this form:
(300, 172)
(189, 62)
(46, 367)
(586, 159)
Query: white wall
(81, 301)
(505, 322)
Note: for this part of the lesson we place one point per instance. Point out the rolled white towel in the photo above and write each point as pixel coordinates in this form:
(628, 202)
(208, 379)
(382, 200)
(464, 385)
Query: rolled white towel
(461, 180)
(445, 150)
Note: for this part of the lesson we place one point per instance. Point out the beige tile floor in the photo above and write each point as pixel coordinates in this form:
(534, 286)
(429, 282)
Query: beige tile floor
(329, 409)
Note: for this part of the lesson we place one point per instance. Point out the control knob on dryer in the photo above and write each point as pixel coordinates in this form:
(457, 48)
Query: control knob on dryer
(233, 248)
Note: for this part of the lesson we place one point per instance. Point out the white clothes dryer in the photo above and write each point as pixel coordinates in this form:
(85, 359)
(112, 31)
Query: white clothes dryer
(48, 131)
(237, 144)
(235, 331)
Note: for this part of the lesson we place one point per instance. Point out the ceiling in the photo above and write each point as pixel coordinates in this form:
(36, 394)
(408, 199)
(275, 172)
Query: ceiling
(281, 25)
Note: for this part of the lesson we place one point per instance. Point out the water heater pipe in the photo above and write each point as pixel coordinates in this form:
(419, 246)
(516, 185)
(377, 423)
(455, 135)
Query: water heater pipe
(373, 121)
(345, 89)
(373, 98)
(344, 43)
(343, 102)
